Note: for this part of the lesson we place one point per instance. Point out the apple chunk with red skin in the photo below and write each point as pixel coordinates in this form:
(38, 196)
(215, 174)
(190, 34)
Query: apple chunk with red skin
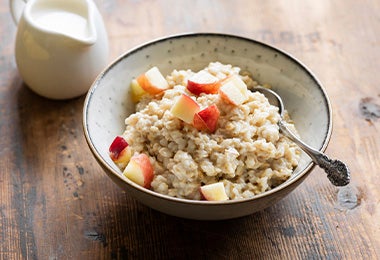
(185, 108)
(140, 170)
(207, 119)
(203, 82)
(153, 81)
(233, 90)
(214, 192)
(119, 150)
(136, 91)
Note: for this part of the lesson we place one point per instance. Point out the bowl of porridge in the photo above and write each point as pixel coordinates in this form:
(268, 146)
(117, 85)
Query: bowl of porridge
(178, 125)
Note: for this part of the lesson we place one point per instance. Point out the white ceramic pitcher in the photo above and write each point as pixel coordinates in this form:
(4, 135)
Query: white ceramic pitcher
(61, 45)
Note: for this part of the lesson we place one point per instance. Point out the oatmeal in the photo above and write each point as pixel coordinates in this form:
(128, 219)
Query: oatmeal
(238, 145)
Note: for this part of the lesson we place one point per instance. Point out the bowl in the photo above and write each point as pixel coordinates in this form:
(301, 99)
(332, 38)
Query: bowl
(108, 103)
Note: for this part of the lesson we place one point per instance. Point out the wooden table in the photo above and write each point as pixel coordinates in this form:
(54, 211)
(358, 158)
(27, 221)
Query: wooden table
(57, 203)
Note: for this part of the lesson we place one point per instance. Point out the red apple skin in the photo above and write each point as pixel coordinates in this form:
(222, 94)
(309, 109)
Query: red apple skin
(226, 98)
(207, 119)
(199, 124)
(203, 82)
(116, 147)
(146, 86)
(207, 88)
(137, 92)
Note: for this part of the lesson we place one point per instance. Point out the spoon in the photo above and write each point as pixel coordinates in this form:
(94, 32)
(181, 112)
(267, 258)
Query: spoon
(337, 171)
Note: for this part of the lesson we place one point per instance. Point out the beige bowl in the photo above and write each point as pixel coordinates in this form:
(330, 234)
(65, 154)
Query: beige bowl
(108, 103)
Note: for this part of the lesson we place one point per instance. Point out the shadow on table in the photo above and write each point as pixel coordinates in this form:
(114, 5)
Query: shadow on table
(46, 123)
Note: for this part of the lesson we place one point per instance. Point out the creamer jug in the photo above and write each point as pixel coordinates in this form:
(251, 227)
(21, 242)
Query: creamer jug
(61, 45)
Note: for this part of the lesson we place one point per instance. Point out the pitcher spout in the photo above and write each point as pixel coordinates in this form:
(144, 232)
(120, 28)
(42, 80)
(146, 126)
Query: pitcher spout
(74, 19)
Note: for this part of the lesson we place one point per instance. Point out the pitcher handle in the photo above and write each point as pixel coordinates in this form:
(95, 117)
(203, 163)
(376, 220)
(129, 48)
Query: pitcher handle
(17, 7)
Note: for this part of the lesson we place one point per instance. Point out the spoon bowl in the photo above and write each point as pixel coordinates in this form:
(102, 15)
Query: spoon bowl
(337, 171)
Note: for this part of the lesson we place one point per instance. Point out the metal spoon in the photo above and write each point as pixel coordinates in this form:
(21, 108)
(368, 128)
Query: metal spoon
(337, 171)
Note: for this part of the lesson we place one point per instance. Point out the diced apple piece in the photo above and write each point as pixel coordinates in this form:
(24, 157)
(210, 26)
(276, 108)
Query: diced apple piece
(207, 119)
(234, 90)
(116, 147)
(124, 157)
(136, 91)
(214, 192)
(120, 152)
(185, 108)
(153, 81)
(203, 82)
(139, 170)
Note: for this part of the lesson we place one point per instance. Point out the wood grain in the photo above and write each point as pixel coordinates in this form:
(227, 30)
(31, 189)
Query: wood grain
(57, 203)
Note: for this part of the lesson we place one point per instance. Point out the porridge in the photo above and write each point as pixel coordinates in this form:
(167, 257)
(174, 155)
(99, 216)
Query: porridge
(204, 135)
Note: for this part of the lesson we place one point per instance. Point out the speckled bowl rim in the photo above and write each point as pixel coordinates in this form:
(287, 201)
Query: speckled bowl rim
(309, 167)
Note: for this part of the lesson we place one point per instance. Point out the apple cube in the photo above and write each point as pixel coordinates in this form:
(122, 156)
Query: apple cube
(119, 151)
(140, 170)
(116, 147)
(153, 81)
(203, 82)
(207, 119)
(185, 108)
(136, 91)
(214, 192)
(124, 157)
(234, 90)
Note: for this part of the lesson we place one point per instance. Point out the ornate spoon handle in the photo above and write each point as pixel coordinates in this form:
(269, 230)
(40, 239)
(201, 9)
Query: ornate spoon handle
(337, 172)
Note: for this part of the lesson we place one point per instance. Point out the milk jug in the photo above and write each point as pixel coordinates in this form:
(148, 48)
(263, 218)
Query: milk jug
(61, 45)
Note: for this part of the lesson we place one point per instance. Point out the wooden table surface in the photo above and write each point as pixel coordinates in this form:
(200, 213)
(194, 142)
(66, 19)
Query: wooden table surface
(57, 203)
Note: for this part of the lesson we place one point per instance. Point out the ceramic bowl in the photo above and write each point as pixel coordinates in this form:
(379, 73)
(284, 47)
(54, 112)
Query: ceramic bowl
(108, 103)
